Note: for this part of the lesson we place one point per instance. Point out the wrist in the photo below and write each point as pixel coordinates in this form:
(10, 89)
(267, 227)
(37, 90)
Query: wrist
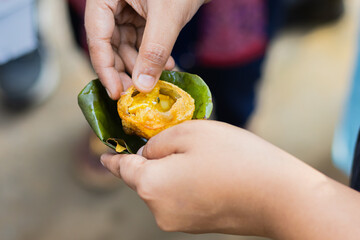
(257, 209)
(309, 205)
(276, 196)
(290, 198)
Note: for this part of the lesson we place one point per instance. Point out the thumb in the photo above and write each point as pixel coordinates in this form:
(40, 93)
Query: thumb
(160, 34)
(125, 166)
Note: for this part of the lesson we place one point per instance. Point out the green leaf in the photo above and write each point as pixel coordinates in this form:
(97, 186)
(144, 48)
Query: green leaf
(196, 87)
(101, 112)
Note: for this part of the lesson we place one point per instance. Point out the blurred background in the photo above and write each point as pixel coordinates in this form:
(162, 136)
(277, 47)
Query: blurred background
(302, 63)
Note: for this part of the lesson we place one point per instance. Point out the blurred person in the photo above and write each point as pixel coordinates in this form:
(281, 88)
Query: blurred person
(229, 39)
(28, 71)
(226, 44)
(248, 187)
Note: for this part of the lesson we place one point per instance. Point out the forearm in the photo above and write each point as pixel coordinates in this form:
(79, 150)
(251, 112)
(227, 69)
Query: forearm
(313, 206)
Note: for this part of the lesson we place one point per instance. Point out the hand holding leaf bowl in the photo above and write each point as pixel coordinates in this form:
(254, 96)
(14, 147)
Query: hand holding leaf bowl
(126, 125)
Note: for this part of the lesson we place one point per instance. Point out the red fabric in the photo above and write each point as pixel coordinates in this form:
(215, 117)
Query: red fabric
(78, 6)
(232, 32)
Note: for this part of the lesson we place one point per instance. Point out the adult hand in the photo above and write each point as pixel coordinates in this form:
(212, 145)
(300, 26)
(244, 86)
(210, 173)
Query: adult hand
(134, 37)
(205, 176)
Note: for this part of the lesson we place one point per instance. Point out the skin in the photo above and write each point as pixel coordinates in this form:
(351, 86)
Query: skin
(206, 176)
(134, 38)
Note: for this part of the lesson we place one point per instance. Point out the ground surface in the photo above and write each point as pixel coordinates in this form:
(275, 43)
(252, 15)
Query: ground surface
(307, 75)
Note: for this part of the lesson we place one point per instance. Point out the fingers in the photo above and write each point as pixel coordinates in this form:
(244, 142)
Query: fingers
(174, 140)
(113, 52)
(126, 81)
(126, 48)
(128, 55)
(170, 64)
(100, 24)
(160, 33)
(125, 166)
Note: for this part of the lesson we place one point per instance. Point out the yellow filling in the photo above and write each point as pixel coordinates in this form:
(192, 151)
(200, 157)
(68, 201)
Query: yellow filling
(147, 114)
(153, 100)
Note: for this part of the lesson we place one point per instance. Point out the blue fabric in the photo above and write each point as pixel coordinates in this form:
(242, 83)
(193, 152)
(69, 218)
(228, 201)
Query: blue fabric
(17, 29)
(8, 7)
(355, 173)
(346, 133)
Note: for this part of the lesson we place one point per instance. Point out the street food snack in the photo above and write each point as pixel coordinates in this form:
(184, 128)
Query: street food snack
(179, 97)
(147, 114)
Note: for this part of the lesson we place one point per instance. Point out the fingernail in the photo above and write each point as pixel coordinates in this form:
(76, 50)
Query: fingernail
(127, 85)
(108, 92)
(146, 81)
(140, 151)
(102, 160)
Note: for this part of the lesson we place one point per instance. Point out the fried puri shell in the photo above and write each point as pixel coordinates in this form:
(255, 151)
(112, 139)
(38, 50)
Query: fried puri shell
(147, 114)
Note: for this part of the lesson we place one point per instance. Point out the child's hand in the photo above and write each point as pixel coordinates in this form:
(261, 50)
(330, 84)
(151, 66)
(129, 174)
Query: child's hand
(206, 176)
(134, 37)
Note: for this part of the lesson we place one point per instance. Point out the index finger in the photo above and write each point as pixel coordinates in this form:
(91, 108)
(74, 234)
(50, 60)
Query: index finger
(100, 25)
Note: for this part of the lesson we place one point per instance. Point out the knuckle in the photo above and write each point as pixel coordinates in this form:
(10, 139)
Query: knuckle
(107, 4)
(155, 54)
(125, 160)
(115, 162)
(128, 162)
(145, 189)
(130, 169)
(182, 130)
(148, 150)
(146, 185)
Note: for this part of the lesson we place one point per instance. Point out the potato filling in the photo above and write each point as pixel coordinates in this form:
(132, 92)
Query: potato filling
(153, 99)
(146, 114)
